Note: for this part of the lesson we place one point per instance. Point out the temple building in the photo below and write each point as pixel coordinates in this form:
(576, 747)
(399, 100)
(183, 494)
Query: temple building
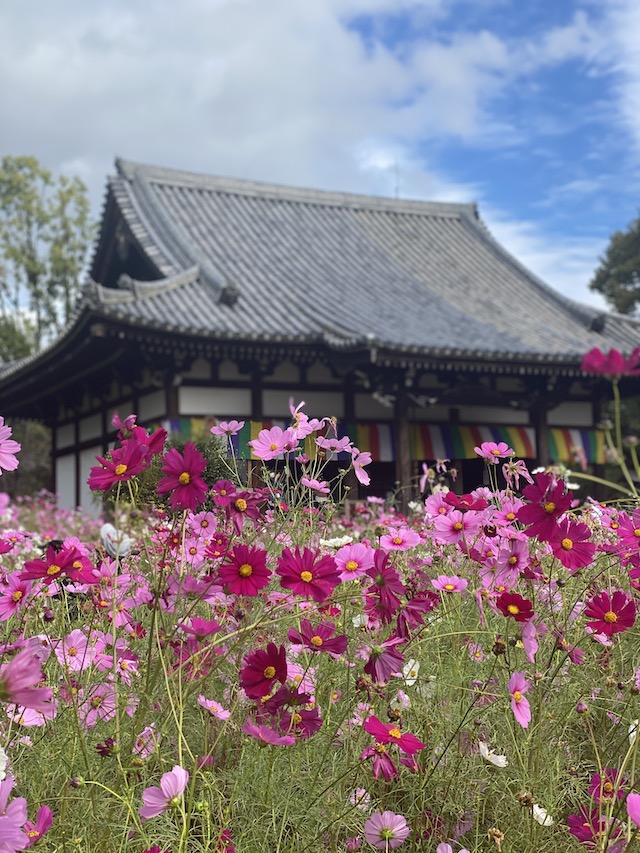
(406, 321)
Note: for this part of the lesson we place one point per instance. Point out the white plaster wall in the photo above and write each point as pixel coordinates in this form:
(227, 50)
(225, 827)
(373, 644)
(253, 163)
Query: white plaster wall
(151, 406)
(490, 415)
(214, 402)
(65, 481)
(88, 501)
(65, 436)
(571, 415)
(369, 409)
(91, 427)
(318, 404)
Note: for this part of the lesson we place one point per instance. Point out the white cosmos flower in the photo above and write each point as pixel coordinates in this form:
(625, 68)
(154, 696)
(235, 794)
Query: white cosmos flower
(490, 756)
(541, 815)
(410, 672)
(337, 542)
(4, 761)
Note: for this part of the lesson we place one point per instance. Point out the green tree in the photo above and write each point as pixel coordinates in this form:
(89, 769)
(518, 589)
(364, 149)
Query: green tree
(45, 232)
(618, 276)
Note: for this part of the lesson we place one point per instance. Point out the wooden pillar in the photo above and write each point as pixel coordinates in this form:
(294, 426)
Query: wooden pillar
(402, 448)
(541, 427)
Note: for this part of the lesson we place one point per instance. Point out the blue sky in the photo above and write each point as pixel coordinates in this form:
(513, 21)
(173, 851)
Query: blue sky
(531, 109)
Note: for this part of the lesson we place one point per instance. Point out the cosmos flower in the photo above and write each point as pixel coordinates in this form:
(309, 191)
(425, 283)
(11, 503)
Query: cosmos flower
(518, 686)
(245, 571)
(610, 614)
(183, 477)
(386, 830)
(307, 574)
(491, 452)
(158, 800)
(8, 448)
(262, 669)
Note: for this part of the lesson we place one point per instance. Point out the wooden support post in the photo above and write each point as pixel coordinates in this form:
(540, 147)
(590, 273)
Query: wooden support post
(541, 427)
(402, 449)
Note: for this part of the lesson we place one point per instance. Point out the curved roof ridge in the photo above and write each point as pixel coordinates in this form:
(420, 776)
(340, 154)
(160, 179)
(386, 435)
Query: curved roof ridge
(585, 314)
(330, 198)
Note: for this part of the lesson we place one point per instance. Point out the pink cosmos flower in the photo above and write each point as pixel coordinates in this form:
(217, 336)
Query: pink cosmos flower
(453, 583)
(14, 594)
(158, 800)
(44, 822)
(8, 448)
(354, 560)
(273, 442)
(214, 708)
(453, 528)
(74, 652)
(183, 477)
(100, 703)
(633, 808)
(360, 459)
(512, 472)
(13, 816)
(18, 680)
(227, 428)
(267, 735)
(491, 451)
(320, 486)
(386, 830)
(399, 539)
(518, 686)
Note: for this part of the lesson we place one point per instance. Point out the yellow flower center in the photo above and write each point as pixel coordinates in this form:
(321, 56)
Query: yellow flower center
(72, 652)
(245, 570)
(17, 595)
(567, 544)
(495, 451)
(53, 569)
(517, 696)
(185, 478)
(395, 733)
(610, 617)
(458, 525)
(120, 469)
(513, 609)
(636, 532)
(307, 577)
(240, 504)
(269, 672)
(351, 566)
(607, 788)
(397, 540)
(549, 507)
(512, 560)
(510, 516)
(273, 446)
(316, 641)
(450, 586)
(297, 719)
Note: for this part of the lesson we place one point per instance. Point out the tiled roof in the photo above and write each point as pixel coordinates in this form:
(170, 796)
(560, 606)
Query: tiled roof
(251, 261)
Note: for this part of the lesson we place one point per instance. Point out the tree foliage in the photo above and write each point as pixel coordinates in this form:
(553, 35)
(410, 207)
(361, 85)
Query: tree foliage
(618, 276)
(45, 231)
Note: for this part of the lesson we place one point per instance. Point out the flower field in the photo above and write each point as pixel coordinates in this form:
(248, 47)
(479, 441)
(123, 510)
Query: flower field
(265, 667)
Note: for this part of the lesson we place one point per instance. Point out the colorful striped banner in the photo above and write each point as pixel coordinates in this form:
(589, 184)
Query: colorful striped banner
(566, 445)
(430, 441)
(427, 441)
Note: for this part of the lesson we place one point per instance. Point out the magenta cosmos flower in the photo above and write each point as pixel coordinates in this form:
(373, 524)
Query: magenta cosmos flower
(518, 686)
(390, 733)
(319, 639)
(44, 822)
(8, 448)
(548, 500)
(182, 478)
(158, 800)
(262, 669)
(612, 364)
(307, 574)
(510, 604)
(386, 830)
(124, 463)
(245, 571)
(571, 544)
(610, 614)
